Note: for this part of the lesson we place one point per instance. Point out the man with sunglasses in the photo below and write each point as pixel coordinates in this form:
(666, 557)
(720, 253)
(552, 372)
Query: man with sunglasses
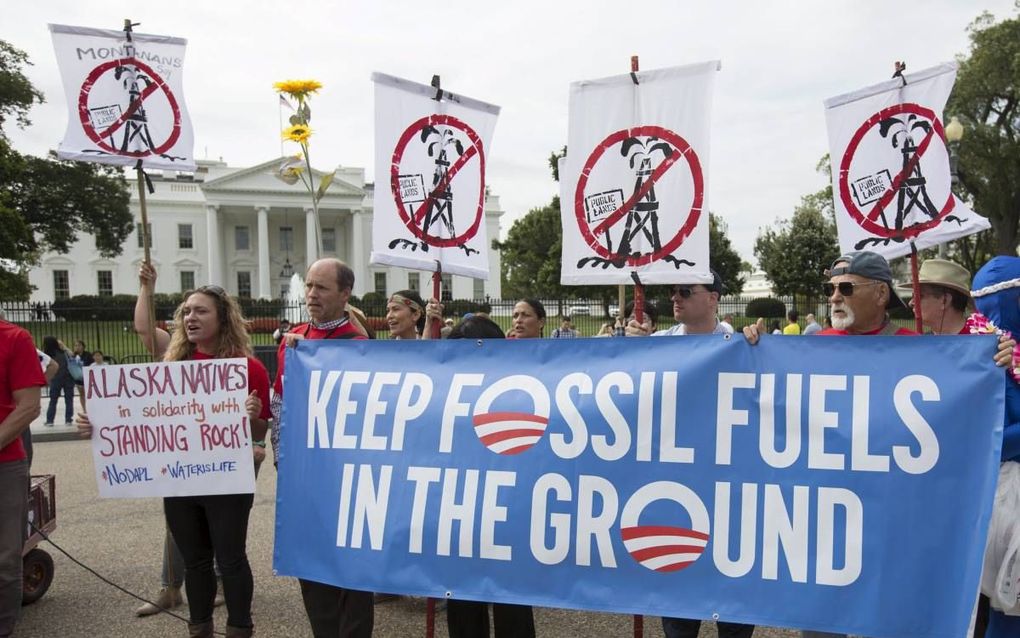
(695, 308)
(860, 291)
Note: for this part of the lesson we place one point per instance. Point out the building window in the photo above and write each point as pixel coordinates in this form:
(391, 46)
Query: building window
(380, 283)
(447, 287)
(244, 284)
(105, 283)
(286, 238)
(242, 240)
(414, 281)
(479, 292)
(61, 285)
(138, 231)
(187, 280)
(329, 240)
(185, 238)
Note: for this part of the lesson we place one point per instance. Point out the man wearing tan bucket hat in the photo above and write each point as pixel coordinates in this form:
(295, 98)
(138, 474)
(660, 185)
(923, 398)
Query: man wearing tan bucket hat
(944, 296)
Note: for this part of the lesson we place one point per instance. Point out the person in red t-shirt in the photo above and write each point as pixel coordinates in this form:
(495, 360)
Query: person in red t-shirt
(21, 378)
(332, 611)
(209, 325)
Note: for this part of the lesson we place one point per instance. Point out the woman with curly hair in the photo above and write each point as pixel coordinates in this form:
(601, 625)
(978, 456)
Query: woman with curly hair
(209, 325)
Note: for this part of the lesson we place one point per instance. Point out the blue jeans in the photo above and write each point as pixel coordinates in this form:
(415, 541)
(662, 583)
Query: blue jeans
(60, 384)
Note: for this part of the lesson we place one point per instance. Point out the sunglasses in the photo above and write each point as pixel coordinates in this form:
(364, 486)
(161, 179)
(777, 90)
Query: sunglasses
(212, 289)
(846, 288)
(685, 292)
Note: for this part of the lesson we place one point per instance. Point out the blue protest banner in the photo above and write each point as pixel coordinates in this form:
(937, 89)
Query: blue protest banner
(821, 483)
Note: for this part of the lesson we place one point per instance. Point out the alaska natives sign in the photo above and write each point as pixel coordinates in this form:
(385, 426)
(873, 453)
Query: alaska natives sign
(170, 429)
(827, 484)
(633, 189)
(430, 160)
(891, 181)
(125, 98)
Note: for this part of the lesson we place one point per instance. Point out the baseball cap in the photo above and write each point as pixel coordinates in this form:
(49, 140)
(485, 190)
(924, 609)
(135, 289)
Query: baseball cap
(869, 265)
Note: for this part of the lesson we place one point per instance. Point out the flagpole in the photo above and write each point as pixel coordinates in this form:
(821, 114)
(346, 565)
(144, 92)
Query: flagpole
(639, 288)
(146, 239)
(279, 118)
(437, 276)
(901, 66)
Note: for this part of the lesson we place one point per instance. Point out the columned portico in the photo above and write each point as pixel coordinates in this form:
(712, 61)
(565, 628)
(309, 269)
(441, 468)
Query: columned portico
(265, 275)
(214, 244)
(311, 236)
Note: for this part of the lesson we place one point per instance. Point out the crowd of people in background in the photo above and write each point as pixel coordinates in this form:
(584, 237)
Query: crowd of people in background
(205, 545)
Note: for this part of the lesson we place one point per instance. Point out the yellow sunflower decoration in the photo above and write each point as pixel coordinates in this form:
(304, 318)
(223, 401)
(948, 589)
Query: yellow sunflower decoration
(297, 133)
(297, 89)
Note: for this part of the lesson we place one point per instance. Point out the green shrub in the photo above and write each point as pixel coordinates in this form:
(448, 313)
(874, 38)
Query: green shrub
(767, 307)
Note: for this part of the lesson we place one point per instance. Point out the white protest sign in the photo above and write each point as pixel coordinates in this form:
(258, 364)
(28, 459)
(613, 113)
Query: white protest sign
(430, 161)
(634, 188)
(125, 99)
(171, 429)
(891, 180)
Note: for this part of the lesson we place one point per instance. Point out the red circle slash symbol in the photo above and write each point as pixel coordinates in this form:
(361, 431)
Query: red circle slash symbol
(906, 174)
(156, 83)
(413, 219)
(592, 230)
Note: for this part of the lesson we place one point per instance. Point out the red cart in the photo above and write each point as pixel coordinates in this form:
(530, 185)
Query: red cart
(42, 520)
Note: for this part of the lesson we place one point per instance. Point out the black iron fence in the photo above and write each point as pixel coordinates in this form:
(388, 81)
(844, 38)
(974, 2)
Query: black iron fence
(105, 323)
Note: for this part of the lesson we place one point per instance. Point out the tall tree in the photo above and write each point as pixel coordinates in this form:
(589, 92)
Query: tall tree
(45, 204)
(987, 100)
(724, 258)
(531, 255)
(795, 252)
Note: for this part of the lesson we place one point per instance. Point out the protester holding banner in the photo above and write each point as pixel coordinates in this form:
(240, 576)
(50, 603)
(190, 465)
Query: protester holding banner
(209, 325)
(528, 319)
(20, 379)
(332, 611)
(695, 307)
(860, 291)
(405, 315)
(466, 618)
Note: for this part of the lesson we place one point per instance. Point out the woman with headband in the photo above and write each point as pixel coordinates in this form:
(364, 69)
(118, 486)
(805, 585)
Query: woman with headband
(405, 315)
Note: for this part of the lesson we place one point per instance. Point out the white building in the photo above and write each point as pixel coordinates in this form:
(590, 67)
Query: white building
(248, 231)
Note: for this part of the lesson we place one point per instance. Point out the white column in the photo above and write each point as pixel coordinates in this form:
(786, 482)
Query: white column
(311, 237)
(265, 276)
(212, 222)
(359, 264)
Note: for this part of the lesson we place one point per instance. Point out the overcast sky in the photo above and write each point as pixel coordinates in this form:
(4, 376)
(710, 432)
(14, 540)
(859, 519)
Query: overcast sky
(780, 60)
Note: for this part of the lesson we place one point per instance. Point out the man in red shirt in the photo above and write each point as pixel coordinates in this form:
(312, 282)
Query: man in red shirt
(332, 611)
(860, 290)
(21, 378)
